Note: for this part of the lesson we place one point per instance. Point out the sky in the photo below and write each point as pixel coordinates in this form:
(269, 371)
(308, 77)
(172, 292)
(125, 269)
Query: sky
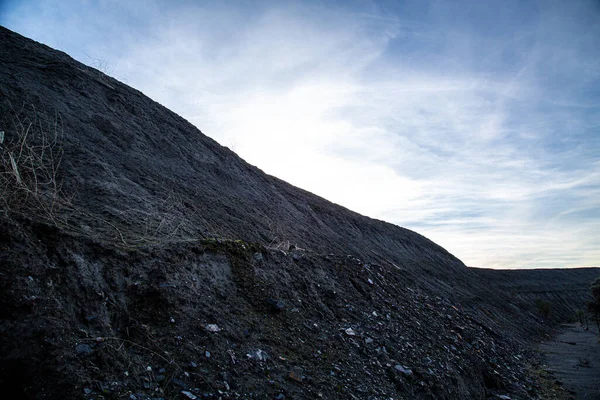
(475, 123)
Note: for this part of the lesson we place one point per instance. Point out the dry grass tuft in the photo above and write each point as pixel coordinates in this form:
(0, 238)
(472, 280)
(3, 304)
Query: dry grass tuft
(30, 158)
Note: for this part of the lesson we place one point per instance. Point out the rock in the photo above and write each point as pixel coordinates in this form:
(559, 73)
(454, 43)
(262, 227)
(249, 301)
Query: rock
(84, 349)
(212, 328)
(189, 395)
(180, 383)
(258, 355)
(350, 332)
(167, 285)
(276, 305)
(258, 256)
(403, 370)
(368, 340)
(296, 374)
(231, 355)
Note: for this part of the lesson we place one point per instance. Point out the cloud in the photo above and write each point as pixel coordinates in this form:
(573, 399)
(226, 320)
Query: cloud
(473, 125)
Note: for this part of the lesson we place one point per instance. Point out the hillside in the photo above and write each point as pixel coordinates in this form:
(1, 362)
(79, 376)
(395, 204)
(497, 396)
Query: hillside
(565, 290)
(140, 259)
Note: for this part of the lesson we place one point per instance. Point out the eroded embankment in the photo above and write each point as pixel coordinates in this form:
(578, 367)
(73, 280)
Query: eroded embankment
(218, 318)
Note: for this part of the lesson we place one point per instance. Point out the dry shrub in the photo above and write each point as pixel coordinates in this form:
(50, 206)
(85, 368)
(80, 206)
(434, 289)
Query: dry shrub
(30, 157)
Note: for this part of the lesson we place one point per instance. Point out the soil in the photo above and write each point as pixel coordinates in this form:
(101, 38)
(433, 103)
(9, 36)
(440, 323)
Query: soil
(153, 263)
(573, 356)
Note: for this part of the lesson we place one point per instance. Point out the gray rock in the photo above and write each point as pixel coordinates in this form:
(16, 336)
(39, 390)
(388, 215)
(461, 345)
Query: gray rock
(212, 328)
(276, 305)
(258, 355)
(84, 349)
(296, 374)
(189, 395)
(403, 370)
(180, 383)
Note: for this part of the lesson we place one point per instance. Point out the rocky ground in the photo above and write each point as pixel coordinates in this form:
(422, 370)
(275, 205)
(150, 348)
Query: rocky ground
(218, 318)
(141, 260)
(573, 357)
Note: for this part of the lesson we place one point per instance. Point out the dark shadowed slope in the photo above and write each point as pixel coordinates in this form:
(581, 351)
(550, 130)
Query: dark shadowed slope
(565, 290)
(140, 259)
(132, 162)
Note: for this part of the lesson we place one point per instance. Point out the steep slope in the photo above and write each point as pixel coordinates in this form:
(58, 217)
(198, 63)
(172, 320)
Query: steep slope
(141, 259)
(131, 162)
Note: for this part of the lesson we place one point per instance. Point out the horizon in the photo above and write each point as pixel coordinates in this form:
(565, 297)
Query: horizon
(475, 125)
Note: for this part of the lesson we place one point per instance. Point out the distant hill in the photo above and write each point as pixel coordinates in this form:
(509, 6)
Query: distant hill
(565, 290)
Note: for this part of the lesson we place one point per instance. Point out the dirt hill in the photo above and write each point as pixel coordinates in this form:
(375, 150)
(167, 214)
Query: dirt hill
(563, 290)
(141, 259)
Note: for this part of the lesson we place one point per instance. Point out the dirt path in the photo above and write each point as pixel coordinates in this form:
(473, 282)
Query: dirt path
(574, 358)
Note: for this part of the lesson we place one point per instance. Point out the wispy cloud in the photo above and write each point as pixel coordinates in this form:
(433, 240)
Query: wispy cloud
(475, 125)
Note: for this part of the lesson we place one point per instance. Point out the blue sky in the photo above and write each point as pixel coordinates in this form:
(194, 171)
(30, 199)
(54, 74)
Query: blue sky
(474, 123)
